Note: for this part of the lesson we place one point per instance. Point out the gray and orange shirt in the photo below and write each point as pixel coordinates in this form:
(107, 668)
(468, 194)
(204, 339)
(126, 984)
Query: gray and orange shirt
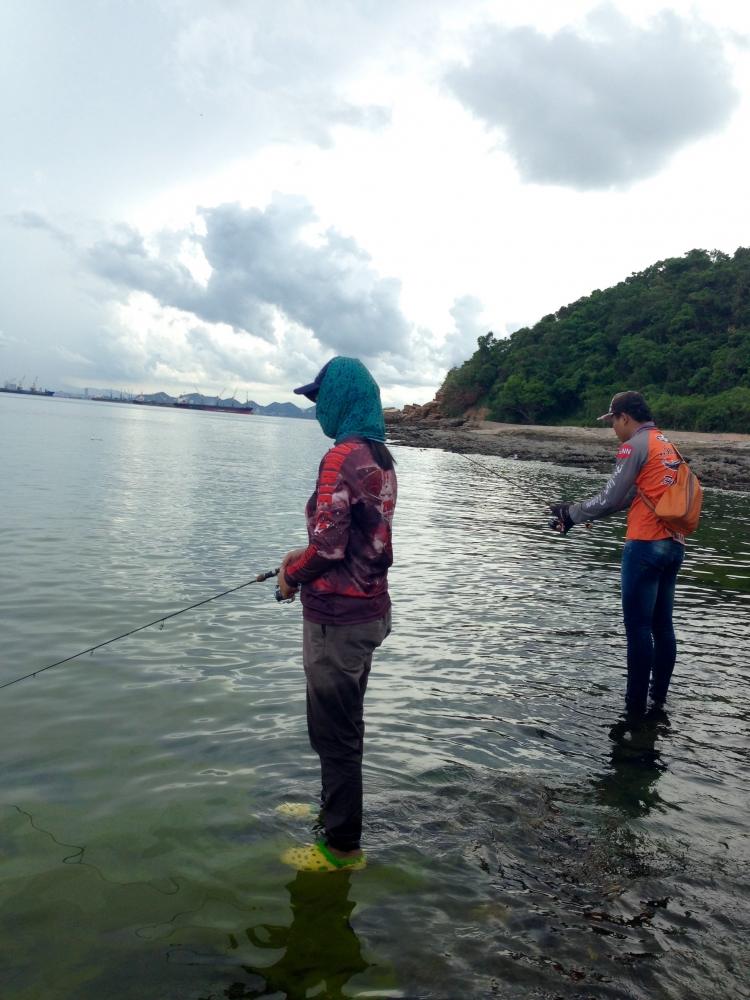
(344, 570)
(645, 464)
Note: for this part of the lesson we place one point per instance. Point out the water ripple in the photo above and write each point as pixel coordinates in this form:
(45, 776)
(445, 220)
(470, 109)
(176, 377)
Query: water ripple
(523, 843)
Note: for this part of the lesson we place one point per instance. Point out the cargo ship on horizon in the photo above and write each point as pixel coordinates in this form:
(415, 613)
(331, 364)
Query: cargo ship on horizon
(18, 389)
(229, 407)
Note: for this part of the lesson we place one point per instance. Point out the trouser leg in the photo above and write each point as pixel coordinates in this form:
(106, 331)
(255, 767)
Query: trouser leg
(639, 591)
(337, 662)
(665, 643)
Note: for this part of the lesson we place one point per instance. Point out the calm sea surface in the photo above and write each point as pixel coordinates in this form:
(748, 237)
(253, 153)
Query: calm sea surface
(521, 844)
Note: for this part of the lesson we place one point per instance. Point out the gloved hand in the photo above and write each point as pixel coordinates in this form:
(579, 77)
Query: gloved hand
(561, 518)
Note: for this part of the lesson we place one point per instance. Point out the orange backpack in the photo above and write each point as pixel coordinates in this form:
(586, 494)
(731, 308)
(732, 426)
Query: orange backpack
(679, 506)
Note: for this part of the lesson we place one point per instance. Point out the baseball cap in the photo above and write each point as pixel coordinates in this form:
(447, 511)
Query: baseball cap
(312, 388)
(625, 402)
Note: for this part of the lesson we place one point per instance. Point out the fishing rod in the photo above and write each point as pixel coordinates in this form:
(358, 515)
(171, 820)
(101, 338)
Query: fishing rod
(158, 621)
(260, 578)
(553, 522)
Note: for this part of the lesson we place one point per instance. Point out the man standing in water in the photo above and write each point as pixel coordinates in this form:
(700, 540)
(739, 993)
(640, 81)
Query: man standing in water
(346, 608)
(645, 467)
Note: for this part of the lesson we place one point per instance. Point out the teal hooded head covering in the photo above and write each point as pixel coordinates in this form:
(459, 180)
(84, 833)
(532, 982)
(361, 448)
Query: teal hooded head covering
(348, 402)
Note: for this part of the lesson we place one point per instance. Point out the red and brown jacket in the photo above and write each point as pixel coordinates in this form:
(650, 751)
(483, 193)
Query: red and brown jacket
(344, 569)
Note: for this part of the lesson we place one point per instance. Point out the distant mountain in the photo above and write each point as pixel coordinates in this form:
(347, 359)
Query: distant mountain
(198, 399)
(285, 410)
(161, 398)
(272, 410)
(164, 399)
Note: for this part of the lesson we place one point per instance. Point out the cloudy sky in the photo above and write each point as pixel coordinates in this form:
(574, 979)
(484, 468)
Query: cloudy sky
(222, 194)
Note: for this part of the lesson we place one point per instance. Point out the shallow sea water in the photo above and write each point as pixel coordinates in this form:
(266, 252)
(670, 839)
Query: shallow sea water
(521, 842)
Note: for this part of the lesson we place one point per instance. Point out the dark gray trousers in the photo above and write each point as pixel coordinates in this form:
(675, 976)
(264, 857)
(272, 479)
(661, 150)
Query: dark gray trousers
(337, 661)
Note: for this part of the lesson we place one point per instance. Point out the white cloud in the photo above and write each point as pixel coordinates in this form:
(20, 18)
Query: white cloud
(74, 358)
(603, 106)
(412, 232)
(258, 261)
(461, 342)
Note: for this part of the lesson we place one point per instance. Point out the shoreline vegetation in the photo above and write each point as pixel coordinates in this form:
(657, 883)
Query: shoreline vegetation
(679, 332)
(719, 460)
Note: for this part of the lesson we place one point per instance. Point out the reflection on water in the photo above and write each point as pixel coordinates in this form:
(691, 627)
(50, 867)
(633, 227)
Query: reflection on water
(522, 840)
(636, 764)
(320, 951)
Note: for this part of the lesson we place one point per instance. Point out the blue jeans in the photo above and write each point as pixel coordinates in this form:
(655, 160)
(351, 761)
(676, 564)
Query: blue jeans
(649, 572)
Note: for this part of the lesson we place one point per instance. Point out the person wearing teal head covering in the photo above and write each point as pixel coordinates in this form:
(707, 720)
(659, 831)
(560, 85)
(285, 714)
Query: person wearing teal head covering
(348, 402)
(346, 606)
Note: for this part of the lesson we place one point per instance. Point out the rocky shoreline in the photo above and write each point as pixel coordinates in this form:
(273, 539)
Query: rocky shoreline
(720, 460)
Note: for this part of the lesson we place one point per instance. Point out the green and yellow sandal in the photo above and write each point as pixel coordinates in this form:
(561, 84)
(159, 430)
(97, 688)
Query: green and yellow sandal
(318, 857)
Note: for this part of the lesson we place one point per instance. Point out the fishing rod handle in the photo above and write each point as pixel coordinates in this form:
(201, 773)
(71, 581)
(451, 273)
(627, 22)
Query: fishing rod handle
(267, 576)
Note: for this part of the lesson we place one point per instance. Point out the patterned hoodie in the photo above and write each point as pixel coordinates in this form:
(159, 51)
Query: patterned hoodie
(344, 570)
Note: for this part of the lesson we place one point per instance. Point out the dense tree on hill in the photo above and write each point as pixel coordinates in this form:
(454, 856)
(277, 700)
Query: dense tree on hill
(679, 332)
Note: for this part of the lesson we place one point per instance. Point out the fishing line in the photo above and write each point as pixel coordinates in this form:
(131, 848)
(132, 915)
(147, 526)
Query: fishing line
(501, 475)
(486, 468)
(158, 621)
(77, 859)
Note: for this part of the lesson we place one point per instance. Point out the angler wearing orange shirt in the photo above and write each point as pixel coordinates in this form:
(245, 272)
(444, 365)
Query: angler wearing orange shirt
(645, 467)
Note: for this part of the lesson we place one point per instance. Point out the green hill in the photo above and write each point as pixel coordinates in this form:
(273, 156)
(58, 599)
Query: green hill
(679, 332)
